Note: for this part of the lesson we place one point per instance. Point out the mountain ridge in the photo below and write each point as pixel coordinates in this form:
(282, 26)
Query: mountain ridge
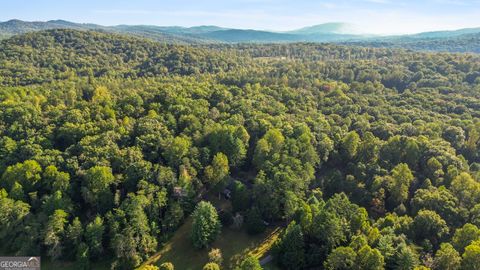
(328, 28)
(334, 32)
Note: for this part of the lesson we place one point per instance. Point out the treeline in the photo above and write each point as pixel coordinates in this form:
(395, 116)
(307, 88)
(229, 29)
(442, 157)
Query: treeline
(60, 54)
(467, 43)
(370, 155)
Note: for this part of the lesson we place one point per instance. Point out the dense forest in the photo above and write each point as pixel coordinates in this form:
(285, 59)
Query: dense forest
(461, 40)
(366, 158)
(461, 43)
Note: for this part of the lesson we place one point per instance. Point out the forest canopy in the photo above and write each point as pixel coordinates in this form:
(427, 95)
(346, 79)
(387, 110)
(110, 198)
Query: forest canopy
(369, 157)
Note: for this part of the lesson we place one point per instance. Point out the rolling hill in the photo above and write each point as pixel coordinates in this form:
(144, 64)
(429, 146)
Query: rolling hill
(167, 34)
(328, 28)
(92, 52)
(329, 32)
(463, 40)
(461, 43)
(118, 145)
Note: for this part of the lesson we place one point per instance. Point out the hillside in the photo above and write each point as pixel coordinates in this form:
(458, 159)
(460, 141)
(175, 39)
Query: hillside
(246, 36)
(463, 40)
(164, 34)
(118, 152)
(54, 54)
(447, 34)
(462, 43)
(328, 28)
(13, 27)
(191, 35)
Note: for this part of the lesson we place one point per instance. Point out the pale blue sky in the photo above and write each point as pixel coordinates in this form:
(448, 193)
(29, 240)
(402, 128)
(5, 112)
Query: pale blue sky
(373, 16)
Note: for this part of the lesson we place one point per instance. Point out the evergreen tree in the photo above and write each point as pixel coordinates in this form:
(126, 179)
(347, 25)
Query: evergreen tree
(290, 250)
(206, 225)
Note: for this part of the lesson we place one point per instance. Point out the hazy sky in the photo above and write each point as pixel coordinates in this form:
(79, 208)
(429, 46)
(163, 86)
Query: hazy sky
(373, 16)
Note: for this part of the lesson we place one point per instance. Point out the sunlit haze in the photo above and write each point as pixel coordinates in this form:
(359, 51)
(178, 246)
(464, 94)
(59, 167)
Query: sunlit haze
(369, 16)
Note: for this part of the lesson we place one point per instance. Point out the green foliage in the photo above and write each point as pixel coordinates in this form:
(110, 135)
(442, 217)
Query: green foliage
(463, 40)
(240, 197)
(254, 222)
(304, 216)
(328, 229)
(226, 218)
(27, 174)
(250, 263)
(455, 136)
(206, 225)
(82, 257)
(268, 147)
(341, 258)
(465, 236)
(441, 200)
(405, 258)
(471, 256)
(56, 180)
(94, 236)
(53, 233)
(401, 178)
(150, 267)
(96, 188)
(429, 225)
(108, 142)
(230, 140)
(74, 236)
(218, 171)
(369, 258)
(215, 256)
(290, 249)
(466, 189)
(132, 237)
(400, 149)
(12, 215)
(211, 266)
(176, 149)
(349, 145)
(166, 266)
(356, 257)
(447, 258)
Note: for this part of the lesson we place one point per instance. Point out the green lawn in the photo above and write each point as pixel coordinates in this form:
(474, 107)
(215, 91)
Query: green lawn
(234, 244)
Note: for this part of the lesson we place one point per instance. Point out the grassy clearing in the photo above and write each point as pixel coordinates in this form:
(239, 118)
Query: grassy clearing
(234, 244)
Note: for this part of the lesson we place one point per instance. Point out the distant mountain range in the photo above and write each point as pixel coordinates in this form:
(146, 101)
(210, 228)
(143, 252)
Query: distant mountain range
(329, 28)
(329, 32)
